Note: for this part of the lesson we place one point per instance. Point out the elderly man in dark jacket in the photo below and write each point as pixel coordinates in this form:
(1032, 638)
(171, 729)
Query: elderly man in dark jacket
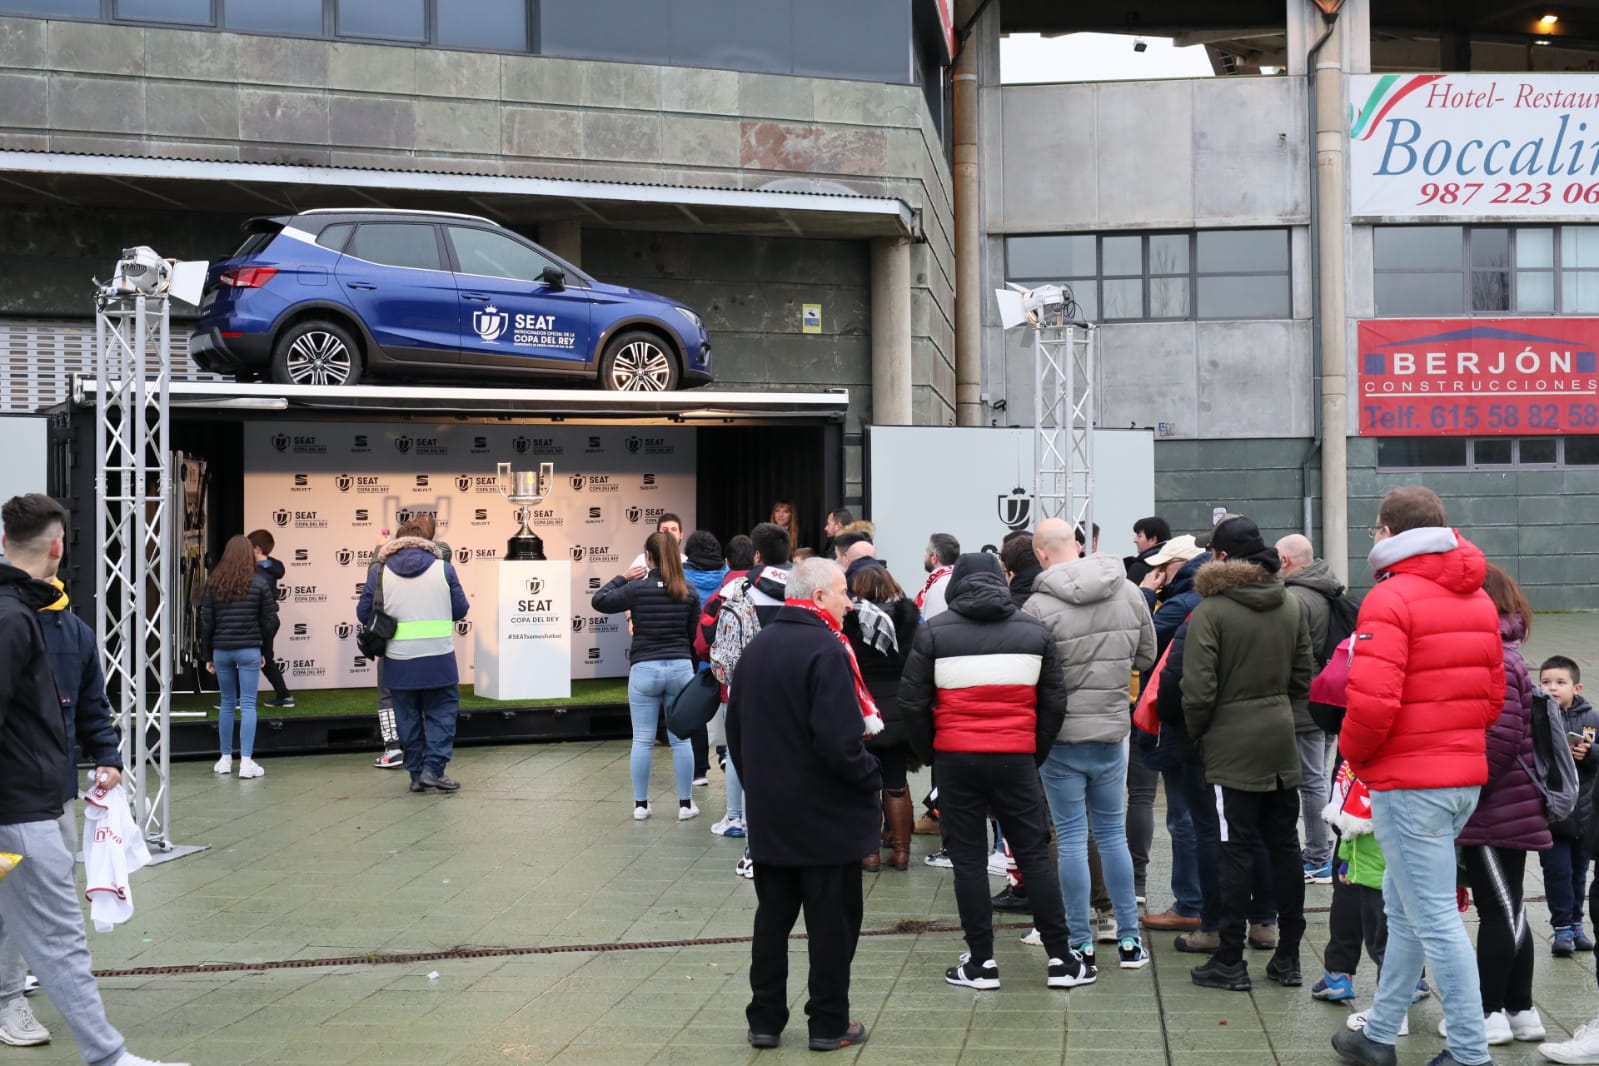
(983, 689)
(796, 732)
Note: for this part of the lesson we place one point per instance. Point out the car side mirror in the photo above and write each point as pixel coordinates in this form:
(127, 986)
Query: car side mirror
(554, 277)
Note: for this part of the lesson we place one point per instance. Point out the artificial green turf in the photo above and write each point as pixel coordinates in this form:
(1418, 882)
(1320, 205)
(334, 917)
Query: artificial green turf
(327, 703)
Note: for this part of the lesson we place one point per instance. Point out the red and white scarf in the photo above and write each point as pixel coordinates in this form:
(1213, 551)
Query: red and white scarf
(869, 711)
(932, 579)
(1350, 808)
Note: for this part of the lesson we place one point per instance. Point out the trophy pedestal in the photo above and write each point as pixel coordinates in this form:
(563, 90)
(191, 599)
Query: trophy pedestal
(523, 648)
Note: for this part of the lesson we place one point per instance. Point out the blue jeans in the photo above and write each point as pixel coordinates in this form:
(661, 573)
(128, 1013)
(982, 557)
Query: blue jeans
(425, 718)
(238, 676)
(1086, 783)
(1565, 875)
(735, 787)
(1416, 829)
(1187, 898)
(651, 687)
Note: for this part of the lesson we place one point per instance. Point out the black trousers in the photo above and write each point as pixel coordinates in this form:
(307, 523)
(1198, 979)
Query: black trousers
(1273, 818)
(699, 743)
(273, 672)
(1504, 943)
(831, 899)
(895, 759)
(1356, 918)
(970, 785)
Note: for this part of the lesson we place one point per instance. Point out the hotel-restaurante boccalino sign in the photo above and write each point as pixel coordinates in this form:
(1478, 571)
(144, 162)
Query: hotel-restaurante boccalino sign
(1474, 145)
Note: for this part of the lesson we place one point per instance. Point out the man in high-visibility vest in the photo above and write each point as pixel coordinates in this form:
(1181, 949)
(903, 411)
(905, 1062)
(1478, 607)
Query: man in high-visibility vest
(420, 591)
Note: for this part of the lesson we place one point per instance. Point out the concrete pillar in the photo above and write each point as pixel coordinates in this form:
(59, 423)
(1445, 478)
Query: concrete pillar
(968, 231)
(565, 239)
(891, 331)
(1331, 223)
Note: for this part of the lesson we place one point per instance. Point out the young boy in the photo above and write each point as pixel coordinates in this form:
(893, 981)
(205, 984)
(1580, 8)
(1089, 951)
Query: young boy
(1565, 866)
(262, 543)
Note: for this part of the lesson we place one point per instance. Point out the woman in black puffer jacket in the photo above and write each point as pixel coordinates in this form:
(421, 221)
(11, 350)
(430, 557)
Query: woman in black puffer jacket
(665, 614)
(237, 611)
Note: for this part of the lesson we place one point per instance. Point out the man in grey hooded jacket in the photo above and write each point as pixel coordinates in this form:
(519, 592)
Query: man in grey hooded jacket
(1102, 633)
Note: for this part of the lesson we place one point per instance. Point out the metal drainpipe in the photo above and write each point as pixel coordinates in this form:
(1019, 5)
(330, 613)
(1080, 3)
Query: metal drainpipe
(1315, 273)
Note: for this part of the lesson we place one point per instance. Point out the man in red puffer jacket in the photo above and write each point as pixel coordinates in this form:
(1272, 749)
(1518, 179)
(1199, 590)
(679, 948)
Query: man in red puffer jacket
(1426, 681)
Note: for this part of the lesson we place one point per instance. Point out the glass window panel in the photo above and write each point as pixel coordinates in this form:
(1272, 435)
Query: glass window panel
(335, 236)
(1579, 246)
(605, 29)
(1490, 248)
(1420, 294)
(1122, 256)
(1417, 247)
(1535, 248)
(848, 39)
(1582, 451)
(1050, 257)
(1490, 290)
(1124, 299)
(1536, 450)
(1579, 291)
(402, 244)
(77, 8)
(498, 24)
(191, 11)
(401, 20)
(279, 16)
(1244, 297)
(1168, 297)
(1250, 250)
(1168, 253)
(1421, 451)
(749, 36)
(1535, 290)
(496, 256)
(1086, 293)
(1493, 451)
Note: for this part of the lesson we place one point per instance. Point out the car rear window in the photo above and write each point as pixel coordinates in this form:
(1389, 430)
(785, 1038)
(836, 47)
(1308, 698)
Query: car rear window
(401, 244)
(256, 243)
(335, 235)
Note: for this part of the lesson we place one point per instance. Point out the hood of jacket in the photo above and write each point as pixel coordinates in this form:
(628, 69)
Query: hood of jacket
(61, 603)
(410, 556)
(1023, 581)
(1092, 579)
(36, 595)
(1243, 582)
(1513, 630)
(1437, 553)
(982, 595)
(1183, 580)
(1317, 576)
(705, 582)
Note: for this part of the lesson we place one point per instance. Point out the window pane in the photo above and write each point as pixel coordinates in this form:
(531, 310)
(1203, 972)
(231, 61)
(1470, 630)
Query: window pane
(335, 236)
(1421, 451)
(402, 20)
(1535, 248)
(1168, 297)
(1417, 247)
(1579, 291)
(1535, 450)
(1535, 290)
(80, 8)
(848, 39)
(192, 11)
(1124, 299)
(1579, 246)
(496, 256)
(279, 16)
(1490, 290)
(1244, 297)
(607, 29)
(749, 36)
(483, 24)
(400, 244)
(1582, 451)
(1490, 248)
(1168, 253)
(1086, 292)
(1491, 452)
(1222, 251)
(1420, 294)
(1050, 257)
(1122, 256)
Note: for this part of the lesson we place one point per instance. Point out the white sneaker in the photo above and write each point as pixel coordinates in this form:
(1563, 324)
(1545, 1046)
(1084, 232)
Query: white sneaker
(18, 1026)
(1357, 1022)
(130, 1059)
(1583, 1047)
(250, 768)
(641, 813)
(685, 813)
(1033, 939)
(223, 765)
(997, 863)
(30, 985)
(745, 867)
(1496, 1025)
(729, 827)
(1525, 1024)
(1105, 931)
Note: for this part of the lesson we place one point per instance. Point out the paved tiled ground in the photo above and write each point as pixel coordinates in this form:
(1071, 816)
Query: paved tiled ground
(326, 857)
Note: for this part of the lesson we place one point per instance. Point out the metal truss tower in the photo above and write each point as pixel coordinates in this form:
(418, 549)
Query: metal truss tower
(1064, 373)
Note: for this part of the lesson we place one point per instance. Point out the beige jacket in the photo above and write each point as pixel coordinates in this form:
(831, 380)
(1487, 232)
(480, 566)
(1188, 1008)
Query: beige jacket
(1102, 633)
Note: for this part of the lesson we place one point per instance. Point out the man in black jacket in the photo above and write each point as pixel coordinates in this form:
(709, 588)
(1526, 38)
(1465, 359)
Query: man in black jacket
(39, 906)
(795, 731)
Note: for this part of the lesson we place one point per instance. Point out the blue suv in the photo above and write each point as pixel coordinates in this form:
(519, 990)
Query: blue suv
(329, 297)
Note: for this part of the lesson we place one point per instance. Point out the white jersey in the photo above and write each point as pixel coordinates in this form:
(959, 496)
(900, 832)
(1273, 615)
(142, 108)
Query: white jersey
(113, 847)
(933, 603)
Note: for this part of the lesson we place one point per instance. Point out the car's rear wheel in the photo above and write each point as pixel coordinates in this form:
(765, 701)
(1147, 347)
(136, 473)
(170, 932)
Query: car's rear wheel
(316, 352)
(637, 361)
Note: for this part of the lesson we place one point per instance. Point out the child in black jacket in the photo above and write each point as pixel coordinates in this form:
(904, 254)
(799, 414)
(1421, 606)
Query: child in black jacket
(1565, 866)
(262, 543)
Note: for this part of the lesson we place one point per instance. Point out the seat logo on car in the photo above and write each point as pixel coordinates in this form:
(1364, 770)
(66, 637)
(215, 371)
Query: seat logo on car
(490, 322)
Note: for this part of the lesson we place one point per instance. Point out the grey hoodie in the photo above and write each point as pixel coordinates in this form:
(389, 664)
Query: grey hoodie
(1311, 586)
(1102, 633)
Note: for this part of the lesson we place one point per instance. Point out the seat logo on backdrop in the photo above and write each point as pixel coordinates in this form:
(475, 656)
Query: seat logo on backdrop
(1016, 508)
(535, 585)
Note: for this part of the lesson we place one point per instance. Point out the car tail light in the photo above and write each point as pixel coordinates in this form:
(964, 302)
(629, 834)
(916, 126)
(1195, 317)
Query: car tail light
(247, 277)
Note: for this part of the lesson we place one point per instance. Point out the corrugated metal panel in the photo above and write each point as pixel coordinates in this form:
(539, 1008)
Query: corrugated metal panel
(42, 355)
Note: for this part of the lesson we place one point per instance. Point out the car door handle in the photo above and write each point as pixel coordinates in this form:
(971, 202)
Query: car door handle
(475, 296)
(361, 286)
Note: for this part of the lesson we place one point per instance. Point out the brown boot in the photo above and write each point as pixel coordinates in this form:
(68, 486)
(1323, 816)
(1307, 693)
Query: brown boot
(901, 816)
(872, 863)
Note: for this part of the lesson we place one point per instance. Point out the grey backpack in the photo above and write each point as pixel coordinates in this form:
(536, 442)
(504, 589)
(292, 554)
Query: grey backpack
(1555, 769)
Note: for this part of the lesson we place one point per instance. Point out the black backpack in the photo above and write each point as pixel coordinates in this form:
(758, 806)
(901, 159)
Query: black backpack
(1342, 613)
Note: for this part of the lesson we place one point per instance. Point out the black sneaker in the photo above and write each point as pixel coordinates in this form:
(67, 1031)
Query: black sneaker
(281, 701)
(972, 975)
(1071, 972)
(763, 1039)
(1229, 978)
(1284, 969)
(855, 1034)
(440, 782)
(1131, 953)
(1358, 1048)
(417, 786)
(1011, 900)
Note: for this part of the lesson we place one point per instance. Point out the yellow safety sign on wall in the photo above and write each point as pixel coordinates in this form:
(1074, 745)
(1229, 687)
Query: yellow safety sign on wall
(811, 318)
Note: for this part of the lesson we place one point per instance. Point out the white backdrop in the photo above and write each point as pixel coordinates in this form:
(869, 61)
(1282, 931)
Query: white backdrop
(326, 491)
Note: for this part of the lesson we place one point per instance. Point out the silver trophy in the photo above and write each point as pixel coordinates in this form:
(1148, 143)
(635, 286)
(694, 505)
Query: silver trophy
(526, 489)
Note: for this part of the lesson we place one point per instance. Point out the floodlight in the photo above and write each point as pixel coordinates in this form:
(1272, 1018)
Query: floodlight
(1140, 45)
(142, 272)
(1022, 306)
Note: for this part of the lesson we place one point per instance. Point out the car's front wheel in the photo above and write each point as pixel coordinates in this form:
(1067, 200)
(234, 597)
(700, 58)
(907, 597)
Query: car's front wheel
(316, 352)
(637, 361)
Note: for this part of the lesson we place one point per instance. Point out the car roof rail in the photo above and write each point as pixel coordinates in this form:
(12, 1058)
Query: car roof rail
(393, 211)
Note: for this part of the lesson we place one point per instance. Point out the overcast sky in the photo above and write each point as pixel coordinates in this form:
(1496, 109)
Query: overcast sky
(1027, 57)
